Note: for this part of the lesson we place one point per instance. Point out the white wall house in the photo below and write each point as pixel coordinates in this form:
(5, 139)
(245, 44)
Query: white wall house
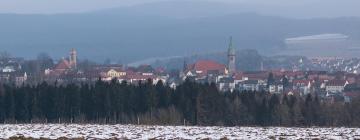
(336, 86)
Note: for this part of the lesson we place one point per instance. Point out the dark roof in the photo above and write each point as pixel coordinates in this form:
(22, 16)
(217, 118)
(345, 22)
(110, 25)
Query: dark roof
(226, 80)
(336, 83)
(254, 82)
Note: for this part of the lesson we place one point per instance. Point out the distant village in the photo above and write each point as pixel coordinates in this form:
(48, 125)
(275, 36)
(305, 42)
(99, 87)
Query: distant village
(340, 83)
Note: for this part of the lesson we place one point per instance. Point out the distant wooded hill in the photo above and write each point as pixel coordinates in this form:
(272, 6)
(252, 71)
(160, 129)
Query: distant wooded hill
(131, 34)
(246, 60)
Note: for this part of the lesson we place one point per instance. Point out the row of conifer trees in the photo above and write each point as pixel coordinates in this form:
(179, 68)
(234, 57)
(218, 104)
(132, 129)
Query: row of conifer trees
(190, 104)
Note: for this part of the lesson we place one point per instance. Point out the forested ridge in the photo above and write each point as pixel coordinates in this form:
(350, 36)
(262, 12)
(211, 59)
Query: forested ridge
(191, 103)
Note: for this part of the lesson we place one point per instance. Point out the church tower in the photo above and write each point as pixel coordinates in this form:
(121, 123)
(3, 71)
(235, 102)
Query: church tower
(73, 59)
(231, 58)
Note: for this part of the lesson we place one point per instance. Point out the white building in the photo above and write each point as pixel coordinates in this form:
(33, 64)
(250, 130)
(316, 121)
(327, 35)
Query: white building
(336, 86)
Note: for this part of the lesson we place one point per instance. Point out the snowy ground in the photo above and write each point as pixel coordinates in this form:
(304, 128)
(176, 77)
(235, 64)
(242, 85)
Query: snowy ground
(54, 131)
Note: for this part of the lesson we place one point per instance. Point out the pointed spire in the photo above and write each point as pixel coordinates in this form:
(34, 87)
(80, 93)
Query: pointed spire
(231, 49)
(231, 58)
(185, 65)
(230, 43)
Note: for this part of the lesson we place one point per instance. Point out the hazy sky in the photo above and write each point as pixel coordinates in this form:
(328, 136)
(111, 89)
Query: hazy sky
(61, 6)
(286, 8)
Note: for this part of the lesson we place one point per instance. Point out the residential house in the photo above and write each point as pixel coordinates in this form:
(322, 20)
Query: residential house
(276, 88)
(248, 85)
(226, 84)
(303, 86)
(336, 86)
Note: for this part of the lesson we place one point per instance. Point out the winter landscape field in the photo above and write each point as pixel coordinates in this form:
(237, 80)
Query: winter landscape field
(56, 131)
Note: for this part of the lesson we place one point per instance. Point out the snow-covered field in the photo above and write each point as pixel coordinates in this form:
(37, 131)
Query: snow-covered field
(54, 131)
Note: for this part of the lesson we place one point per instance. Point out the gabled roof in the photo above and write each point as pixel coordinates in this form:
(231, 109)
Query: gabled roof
(206, 66)
(336, 83)
(63, 65)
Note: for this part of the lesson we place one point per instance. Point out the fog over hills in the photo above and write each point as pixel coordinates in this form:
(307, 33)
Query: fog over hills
(283, 8)
(163, 29)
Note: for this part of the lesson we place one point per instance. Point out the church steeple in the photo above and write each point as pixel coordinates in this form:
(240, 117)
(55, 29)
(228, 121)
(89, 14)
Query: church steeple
(184, 65)
(231, 57)
(73, 59)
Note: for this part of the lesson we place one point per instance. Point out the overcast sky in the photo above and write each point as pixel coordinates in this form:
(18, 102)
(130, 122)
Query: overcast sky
(61, 6)
(288, 8)
(68, 6)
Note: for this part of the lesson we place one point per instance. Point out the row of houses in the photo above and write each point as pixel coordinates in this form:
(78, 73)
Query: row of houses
(325, 84)
(11, 71)
(67, 71)
(63, 73)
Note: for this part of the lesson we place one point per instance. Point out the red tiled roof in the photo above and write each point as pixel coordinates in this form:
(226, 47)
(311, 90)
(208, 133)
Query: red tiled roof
(207, 65)
(62, 65)
(336, 83)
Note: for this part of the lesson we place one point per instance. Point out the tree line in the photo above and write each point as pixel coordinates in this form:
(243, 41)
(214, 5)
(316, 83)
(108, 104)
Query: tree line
(190, 103)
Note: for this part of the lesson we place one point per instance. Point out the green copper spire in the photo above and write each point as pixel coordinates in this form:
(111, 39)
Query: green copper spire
(231, 58)
(231, 47)
(230, 44)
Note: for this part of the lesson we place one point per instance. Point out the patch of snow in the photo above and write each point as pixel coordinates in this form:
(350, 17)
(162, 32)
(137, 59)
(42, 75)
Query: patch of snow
(54, 131)
(318, 37)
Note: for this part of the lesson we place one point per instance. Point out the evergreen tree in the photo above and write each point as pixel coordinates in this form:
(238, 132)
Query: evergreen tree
(194, 103)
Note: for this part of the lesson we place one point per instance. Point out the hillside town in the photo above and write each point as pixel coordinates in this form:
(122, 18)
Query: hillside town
(340, 83)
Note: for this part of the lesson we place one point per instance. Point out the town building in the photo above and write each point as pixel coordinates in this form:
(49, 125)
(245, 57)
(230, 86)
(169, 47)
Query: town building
(63, 67)
(203, 68)
(11, 71)
(336, 86)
